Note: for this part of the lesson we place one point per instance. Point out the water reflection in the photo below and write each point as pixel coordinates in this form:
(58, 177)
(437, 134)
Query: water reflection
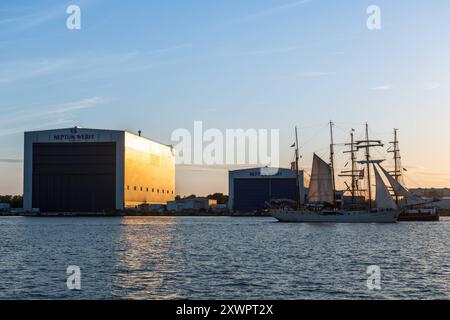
(146, 260)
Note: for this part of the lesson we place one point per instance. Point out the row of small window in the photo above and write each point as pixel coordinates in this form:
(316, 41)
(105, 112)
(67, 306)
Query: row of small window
(153, 190)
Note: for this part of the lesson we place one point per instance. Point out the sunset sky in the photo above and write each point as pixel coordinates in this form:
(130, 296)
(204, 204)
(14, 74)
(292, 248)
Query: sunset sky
(157, 66)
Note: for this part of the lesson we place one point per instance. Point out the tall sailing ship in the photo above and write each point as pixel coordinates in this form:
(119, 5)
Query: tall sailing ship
(321, 204)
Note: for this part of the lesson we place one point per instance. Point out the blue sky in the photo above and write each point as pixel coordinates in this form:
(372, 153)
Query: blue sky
(161, 65)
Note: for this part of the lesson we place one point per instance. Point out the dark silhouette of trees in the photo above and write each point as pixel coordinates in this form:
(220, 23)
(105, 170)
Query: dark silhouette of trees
(220, 197)
(14, 201)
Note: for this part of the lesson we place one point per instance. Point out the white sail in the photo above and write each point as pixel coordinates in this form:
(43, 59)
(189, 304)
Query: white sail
(321, 183)
(399, 190)
(384, 199)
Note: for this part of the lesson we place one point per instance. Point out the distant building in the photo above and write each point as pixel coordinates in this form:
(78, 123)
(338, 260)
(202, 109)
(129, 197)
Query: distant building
(151, 207)
(82, 170)
(250, 189)
(220, 208)
(193, 204)
(5, 207)
(431, 192)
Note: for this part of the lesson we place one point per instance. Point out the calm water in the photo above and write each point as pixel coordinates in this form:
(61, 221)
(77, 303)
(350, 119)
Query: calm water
(220, 258)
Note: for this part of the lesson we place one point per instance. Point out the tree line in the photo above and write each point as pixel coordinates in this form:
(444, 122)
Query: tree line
(220, 197)
(13, 201)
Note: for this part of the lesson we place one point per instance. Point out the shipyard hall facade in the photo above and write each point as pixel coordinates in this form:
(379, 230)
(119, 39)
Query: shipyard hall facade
(92, 170)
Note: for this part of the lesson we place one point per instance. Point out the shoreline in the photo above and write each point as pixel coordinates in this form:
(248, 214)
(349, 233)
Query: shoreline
(131, 214)
(442, 213)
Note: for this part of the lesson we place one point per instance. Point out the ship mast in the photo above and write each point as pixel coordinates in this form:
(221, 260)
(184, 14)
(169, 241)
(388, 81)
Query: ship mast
(368, 166)
(297, 177)
(352, 173)
(332, 163)
(396, 151)
(367, 144)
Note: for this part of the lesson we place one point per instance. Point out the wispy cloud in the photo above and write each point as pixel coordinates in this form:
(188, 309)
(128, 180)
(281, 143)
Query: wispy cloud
(31, 19)
(23, 70)
(169, 49)
(272, 11)
(270, 51)
(314, 74)
(384, 87)
(432, 85)
(89, 65)
(46, 116)
(24, 18)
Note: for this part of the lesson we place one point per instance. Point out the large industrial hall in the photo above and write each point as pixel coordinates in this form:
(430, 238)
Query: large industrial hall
(92, 170)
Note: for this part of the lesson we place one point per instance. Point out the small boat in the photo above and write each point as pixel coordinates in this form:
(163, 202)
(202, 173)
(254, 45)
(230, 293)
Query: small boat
(322, 207)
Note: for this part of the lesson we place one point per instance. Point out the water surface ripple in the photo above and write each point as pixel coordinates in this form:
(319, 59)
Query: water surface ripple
(221, 258)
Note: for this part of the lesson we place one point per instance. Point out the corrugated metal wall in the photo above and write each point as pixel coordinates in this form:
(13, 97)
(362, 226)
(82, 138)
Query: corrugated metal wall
(74, 177)
(251, 194)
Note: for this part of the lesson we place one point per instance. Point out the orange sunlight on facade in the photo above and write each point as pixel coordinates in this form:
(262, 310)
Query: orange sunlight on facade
(149, 172)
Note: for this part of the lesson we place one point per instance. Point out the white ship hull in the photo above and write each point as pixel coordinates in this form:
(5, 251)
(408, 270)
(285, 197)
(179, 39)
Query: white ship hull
(308, 216)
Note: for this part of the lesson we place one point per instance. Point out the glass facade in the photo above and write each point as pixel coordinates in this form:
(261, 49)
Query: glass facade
(149, 172)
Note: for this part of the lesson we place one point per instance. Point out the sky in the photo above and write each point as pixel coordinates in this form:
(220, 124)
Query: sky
(157, 66)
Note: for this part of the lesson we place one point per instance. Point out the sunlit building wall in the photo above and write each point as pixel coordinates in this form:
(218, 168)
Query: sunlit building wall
(149, 172)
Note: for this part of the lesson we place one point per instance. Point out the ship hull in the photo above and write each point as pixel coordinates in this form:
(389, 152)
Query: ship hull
(306, 216)
(427, 214)
(422, 218)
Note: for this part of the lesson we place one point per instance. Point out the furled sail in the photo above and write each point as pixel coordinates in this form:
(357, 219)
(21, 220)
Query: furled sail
(321, 183)
(384, 199)
(399, 190)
